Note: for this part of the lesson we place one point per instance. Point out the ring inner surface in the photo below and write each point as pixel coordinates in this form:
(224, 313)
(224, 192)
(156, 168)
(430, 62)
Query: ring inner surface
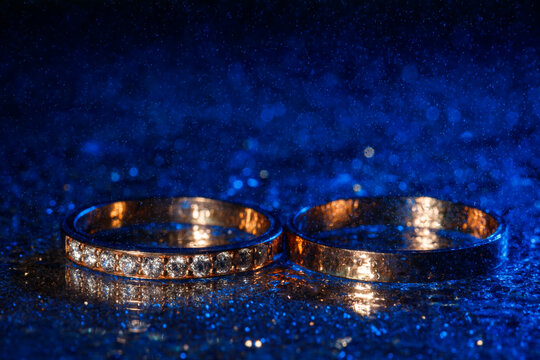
(176, 223)
(396, 223)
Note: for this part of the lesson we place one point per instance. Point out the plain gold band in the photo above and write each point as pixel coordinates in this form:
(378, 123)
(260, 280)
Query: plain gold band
(423, 262)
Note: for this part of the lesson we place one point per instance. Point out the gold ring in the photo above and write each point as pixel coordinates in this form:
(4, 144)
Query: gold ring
(436, 239)
(222, 238)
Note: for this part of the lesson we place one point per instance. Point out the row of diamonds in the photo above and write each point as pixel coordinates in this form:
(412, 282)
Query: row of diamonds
(174, 266)
(135, 293)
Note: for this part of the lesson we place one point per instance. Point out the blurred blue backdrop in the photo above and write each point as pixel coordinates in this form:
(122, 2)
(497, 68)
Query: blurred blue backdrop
(281, 104)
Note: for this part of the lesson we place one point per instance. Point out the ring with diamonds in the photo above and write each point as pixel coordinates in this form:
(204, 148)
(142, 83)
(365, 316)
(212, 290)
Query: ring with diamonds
(172, 238)
(396, 239)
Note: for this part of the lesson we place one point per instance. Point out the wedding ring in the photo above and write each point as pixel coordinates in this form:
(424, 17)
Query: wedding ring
(396, 239)
(172, 238)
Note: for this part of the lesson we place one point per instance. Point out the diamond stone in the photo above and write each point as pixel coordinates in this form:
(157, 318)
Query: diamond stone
(75, 250)
(261, 254)
(245, 258)
(152, 267)
(89, 257)
(75, 277)
(152, 294)
(223, 263)
(107, 290)
(128, 292)
(91, 285)
(201, 265)
(128, 264)
(177, 266)
(107, 261)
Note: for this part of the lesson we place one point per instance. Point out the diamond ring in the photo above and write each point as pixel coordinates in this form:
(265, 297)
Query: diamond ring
(172, 238)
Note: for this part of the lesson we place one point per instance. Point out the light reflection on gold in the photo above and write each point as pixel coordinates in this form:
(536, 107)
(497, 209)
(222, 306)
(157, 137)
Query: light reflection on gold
(424, 239)
(202, 237)
(477, 224)
(200, 215)
(425, 216)
(337, 215)
(425, 213)
(363, 268)
(117, 214)
(195, 211)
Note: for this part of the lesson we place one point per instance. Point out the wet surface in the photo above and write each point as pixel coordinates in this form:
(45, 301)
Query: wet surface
(283, 107)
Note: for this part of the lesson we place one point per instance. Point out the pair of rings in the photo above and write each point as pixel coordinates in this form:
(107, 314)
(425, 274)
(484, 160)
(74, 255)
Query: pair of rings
(195, 237)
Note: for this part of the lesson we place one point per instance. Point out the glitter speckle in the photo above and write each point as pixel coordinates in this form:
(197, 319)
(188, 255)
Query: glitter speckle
(238, 184)
(263, 174)
(454, 115)
(409, 73)
(115, 176)
(432, 113)
(369, 152)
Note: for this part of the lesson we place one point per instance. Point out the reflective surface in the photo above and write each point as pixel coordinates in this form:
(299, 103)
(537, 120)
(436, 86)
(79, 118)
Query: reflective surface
(280, 104)
(172, 317)
(419, 254)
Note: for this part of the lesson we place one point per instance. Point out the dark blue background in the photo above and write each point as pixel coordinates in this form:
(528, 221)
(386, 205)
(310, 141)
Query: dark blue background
(274, 104)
